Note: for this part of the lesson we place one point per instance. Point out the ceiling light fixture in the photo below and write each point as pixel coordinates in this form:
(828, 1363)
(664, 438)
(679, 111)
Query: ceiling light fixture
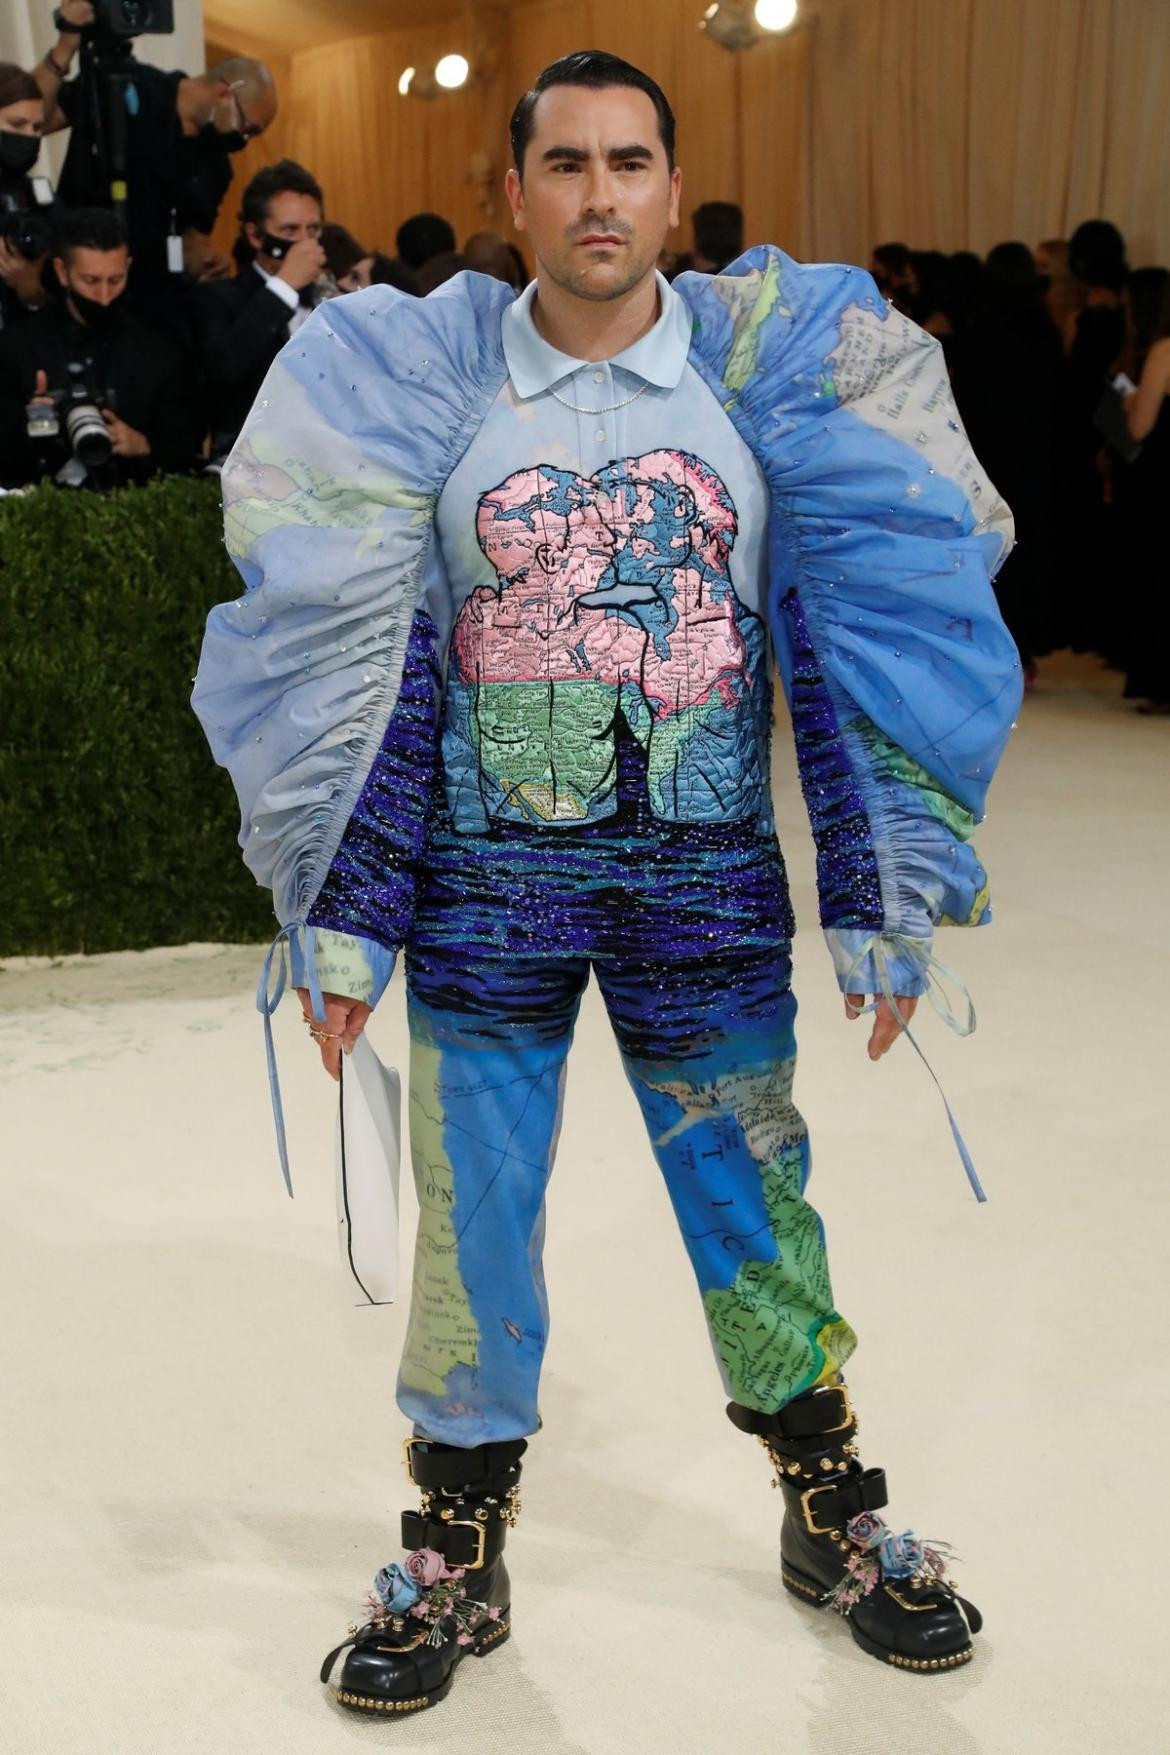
(452, 72)
(734, 25)
(774, 15)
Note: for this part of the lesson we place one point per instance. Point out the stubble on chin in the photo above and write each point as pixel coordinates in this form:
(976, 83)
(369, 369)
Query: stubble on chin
(584, 283)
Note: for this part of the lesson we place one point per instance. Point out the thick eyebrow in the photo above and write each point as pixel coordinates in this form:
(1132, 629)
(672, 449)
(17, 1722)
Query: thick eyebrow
(578, 155)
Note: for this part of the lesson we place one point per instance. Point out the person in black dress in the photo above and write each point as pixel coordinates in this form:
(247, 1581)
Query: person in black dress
(1088, 619)
(1143, 490)
(1007, 374)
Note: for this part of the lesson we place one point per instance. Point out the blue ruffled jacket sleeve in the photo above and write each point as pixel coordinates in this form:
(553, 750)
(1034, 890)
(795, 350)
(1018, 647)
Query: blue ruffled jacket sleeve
(902, 680)
(319, 689)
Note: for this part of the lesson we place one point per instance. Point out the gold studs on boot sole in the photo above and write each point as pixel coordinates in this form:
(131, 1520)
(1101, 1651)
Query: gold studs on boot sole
(952, 1662)
(940, 1663)
(798, 1584)
(368, 1704)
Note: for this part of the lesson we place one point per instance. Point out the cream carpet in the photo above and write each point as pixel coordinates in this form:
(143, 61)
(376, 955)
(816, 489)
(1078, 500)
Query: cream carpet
(200, 1471)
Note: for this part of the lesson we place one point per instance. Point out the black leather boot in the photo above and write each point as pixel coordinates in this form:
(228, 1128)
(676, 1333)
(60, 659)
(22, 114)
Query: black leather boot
(452, 1594)
(835, 1551)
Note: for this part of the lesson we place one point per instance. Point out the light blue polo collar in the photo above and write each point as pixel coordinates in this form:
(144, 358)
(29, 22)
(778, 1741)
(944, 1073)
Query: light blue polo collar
(659, 356)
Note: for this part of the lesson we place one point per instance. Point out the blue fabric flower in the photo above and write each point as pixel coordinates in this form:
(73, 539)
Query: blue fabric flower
(901, 1556)
(396, 1589)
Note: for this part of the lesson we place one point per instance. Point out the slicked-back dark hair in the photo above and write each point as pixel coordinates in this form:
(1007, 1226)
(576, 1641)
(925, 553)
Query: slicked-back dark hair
(595, 69)
(89, 228)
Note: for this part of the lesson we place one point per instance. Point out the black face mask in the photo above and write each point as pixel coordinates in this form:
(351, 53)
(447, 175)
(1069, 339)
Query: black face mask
(214, 140)
(277, 248)
(104, 320)
(19, 152)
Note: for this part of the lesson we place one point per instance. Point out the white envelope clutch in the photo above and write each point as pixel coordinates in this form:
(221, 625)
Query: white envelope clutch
(369, 1135)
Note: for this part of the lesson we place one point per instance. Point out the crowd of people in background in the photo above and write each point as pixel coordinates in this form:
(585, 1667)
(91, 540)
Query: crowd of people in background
(129, 345)
(1060, 361)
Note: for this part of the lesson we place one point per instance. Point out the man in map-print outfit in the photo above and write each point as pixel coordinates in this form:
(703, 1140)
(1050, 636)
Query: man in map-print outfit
(497, 695)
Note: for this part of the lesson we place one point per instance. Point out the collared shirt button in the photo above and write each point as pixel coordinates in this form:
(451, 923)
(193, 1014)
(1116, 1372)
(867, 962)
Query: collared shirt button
(601, 435)
(599, 377)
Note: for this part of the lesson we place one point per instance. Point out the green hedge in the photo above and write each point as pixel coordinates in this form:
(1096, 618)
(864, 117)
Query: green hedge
(117, 830)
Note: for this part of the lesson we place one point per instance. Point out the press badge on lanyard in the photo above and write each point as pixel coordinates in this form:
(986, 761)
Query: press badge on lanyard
(174, 248)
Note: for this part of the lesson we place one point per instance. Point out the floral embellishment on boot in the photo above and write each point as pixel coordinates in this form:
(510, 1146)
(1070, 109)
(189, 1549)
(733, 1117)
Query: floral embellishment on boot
(866, 1529)
(880, 1554)
(426, 1566)
(394, 1591)
(901, 1556)
(424, 1588)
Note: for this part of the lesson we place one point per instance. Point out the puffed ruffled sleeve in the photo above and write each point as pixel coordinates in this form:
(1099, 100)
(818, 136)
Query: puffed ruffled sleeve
(319, 689)
(885, 535)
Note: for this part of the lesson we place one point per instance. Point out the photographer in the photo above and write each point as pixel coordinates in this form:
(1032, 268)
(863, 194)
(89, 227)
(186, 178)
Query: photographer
(25, 201)
(180, 132)
(88, 394)
(245, 322)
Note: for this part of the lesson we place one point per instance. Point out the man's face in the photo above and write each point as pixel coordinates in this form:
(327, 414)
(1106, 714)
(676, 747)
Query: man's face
(291, 217)
(99, 275)
(227, 113)
(597, 196)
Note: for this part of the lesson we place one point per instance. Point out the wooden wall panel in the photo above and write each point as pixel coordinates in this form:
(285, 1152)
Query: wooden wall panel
(948, 125)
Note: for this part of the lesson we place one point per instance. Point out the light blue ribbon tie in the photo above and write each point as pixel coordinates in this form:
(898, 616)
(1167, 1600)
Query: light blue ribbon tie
(963, 1025)
(266, 1004)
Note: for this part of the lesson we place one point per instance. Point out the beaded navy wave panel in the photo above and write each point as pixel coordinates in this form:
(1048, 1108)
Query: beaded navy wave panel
(666, 1008)
(371, 885)
(847, 870)
(630, 883)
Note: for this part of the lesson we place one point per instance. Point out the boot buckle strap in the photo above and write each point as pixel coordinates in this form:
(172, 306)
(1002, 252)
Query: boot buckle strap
(480, 1529)
(810, 1523)
(802, 1419)
(848, 1417)
(851, 1494)
(422, 1532)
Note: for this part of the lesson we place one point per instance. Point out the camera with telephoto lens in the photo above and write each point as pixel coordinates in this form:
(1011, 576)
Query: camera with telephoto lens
(74, 416)
(121, 19)
(23, 230)
(133, 18)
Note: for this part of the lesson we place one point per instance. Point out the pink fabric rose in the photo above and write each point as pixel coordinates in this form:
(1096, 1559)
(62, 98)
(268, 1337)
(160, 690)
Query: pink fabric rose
(426, 1567)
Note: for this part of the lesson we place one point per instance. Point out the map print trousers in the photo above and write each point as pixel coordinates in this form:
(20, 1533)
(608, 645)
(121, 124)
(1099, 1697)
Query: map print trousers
(709, 1048)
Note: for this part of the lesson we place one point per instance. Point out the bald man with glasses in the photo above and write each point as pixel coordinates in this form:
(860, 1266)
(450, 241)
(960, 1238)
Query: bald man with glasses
(181, 133)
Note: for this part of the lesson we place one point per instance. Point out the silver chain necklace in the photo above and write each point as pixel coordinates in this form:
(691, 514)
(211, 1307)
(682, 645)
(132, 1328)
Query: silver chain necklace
(608, 408)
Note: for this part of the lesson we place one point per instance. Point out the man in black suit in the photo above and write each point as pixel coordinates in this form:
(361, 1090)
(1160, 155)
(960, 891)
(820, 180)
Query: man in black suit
(90, 352)
(245, 322)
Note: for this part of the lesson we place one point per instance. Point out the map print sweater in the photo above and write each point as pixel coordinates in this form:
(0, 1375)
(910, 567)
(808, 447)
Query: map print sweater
(501, 668)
